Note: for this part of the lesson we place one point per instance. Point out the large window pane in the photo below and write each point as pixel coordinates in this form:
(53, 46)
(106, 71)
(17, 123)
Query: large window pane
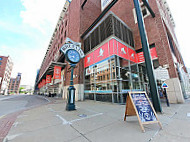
(125, 73)
(134, 68)
(125, 85)
(136, 85)
(102, 71)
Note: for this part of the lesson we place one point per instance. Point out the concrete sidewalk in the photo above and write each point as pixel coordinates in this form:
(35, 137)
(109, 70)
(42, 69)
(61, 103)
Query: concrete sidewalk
(97, 122)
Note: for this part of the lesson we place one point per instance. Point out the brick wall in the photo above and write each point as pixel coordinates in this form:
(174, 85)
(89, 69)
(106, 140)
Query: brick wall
(79, 20)
(2, 68)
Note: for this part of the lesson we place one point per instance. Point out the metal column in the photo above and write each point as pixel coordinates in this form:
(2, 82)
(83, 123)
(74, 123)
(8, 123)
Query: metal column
(148, 61)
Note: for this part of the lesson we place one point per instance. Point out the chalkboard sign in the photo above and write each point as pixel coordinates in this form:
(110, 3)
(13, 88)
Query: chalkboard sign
(139, 104)
(143, 107)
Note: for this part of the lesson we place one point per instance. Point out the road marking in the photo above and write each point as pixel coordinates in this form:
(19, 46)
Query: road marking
(64, 121)
(16, 124)
(85, 117)
(77, 107)
(2, 116)
(47, 99)
(75, 120)
(11, 137)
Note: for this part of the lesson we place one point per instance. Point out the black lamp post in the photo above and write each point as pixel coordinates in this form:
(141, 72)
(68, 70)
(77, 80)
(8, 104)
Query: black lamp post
(73, 54)
(71, 92)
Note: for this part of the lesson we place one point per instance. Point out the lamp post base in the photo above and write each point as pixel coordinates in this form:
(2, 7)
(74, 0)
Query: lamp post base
(70, 107)
(71, 99)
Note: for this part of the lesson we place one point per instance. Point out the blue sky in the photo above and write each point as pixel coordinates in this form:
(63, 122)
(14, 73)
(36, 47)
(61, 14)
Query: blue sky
(25, 32)
(26, 27)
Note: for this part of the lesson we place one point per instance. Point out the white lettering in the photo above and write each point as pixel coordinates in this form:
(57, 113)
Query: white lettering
(66, 47)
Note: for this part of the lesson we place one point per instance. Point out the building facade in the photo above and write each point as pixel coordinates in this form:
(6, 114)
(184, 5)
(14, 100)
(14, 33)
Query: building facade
(6, 66)
(114, 61)
(36, 89)
(14, 84)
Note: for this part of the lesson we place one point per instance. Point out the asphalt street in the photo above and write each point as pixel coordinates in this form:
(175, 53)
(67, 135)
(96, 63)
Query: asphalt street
(14, 103)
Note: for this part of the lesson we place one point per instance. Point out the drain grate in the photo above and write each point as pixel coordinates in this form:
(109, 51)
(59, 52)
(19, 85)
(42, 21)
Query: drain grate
(82, 115)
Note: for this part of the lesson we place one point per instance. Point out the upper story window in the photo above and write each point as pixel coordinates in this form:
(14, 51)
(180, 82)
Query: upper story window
(65, 34)
(65, 23)
(0, 58)
(144, 11)
(61, 40)
(62, 30)
(0, 63)
(109, 26)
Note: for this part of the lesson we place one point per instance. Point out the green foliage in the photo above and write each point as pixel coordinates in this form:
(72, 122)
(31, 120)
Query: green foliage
(20, 90)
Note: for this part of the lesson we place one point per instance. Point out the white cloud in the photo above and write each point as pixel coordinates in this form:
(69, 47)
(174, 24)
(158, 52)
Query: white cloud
(180, 13)
(28, 65)
(27, 57)
(41, 14)
(25, 60)
(4, 47)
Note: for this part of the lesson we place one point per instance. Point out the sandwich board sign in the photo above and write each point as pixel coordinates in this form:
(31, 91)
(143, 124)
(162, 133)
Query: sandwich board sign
(139, 104)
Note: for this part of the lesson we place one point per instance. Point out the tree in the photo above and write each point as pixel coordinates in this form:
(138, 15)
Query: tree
(20, 89)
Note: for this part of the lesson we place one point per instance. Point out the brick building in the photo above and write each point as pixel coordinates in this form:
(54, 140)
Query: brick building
(14, 84)
(114, 61)
(6, 66)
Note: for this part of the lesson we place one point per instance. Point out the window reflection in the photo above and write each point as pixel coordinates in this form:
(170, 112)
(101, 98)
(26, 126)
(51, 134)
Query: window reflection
(115, 75)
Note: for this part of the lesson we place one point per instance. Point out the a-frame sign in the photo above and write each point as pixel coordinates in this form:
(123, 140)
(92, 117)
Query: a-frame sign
(139, 104)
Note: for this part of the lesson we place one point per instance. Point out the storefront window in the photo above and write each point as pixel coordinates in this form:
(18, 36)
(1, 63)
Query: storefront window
(103, 86)
(114, 77)
(125, 85)
(125, 73)
(102, 71)
(115, 86)
(136, 86)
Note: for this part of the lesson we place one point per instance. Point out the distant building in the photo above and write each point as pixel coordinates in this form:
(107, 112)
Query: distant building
(36, 82)
(27, 89)
(14, 84)
(6, 66)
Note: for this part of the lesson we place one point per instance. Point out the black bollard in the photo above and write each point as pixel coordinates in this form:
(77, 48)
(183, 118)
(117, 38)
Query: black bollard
(165, 93)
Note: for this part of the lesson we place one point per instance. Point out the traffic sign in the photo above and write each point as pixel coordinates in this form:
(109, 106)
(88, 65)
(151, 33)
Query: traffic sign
(164, 85)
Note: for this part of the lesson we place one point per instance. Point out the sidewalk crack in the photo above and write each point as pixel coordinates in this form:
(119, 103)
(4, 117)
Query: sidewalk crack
(80, 133)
